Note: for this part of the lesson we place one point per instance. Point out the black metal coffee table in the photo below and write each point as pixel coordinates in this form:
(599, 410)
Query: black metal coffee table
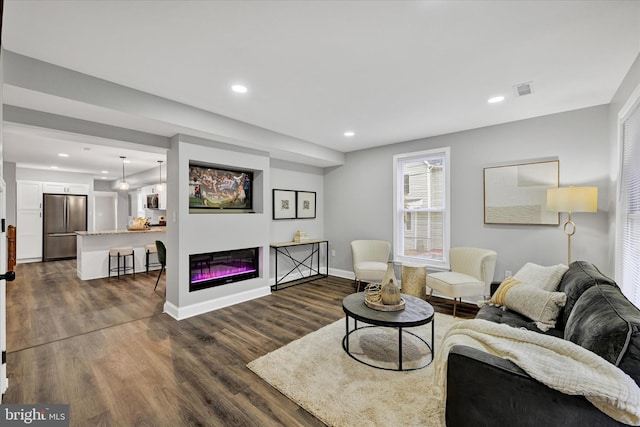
(417, 312)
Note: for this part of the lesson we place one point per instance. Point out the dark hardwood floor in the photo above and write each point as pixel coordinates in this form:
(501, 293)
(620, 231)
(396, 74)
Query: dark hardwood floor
(105, 347)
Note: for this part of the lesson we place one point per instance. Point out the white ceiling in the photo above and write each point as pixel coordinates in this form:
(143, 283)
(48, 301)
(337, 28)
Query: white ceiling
(390, 71)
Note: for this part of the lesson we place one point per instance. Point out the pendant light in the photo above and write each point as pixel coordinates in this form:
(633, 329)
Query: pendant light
(124, 185)
(160, 185)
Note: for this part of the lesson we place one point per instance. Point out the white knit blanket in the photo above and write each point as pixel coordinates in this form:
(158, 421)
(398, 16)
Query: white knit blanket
(557, 363)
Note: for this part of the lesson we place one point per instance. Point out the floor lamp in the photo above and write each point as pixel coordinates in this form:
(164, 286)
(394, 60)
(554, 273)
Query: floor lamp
(572, 199)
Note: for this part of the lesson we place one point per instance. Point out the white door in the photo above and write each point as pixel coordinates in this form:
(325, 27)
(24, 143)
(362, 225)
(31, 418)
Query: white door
(4, 382)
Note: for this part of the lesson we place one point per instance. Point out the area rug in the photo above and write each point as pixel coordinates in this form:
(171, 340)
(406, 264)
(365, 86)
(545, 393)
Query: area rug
(316, 373)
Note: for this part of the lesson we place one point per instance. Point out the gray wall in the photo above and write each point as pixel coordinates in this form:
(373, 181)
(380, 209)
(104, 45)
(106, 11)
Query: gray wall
(359, 194)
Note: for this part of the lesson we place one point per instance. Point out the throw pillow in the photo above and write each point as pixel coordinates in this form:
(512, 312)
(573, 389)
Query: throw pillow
(499, 295)
(547, 278)
(541, 306)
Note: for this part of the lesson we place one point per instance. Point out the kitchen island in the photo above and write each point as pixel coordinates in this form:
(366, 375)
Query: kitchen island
(93, 249)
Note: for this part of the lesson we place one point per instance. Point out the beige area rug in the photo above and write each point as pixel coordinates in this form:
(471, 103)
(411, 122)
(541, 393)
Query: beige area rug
(316, 373)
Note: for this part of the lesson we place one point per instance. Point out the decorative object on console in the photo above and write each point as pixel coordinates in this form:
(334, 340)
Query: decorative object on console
(516, 194)
(572, 199)
(300, 236)
(284, 204)
(305, 204)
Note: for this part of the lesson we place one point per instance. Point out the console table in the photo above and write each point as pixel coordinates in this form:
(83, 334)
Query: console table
(304, 266)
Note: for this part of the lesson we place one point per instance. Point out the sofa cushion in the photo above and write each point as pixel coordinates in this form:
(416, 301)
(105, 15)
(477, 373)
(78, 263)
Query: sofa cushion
(547, 278)
(509, 317)
(605, 322)
(580, 277)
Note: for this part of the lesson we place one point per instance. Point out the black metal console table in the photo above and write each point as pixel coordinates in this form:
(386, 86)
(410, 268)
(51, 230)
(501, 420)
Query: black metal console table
(304, 266)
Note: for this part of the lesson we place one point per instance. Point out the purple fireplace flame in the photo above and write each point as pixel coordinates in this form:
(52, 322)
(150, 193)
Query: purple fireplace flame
(221, 268)
(220, 272)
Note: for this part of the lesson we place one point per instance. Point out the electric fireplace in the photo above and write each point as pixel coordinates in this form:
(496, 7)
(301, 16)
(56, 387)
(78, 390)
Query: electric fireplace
(220, 268)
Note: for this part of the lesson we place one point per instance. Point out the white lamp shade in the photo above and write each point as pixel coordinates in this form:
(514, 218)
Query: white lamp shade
(572, 199)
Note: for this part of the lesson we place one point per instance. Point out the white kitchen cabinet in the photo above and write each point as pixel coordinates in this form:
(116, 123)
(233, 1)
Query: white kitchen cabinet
(64, 188)
(29, 195)
(28, 221)
(29, 235)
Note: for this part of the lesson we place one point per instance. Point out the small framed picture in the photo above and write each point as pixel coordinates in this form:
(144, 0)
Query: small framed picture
(284, 204)
(306, 204)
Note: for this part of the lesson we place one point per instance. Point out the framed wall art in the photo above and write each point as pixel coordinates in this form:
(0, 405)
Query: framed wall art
(284, 204)
(306, 204)
(517, 194)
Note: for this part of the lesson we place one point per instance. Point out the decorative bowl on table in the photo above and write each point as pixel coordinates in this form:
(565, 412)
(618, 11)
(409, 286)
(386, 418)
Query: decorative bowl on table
(373, 299)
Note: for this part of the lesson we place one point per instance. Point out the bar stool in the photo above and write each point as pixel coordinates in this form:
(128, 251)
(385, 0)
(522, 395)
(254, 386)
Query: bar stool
(150, 249)
(123, 252)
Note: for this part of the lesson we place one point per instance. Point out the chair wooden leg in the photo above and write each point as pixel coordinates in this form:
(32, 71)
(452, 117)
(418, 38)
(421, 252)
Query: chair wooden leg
(357, 285)
(455, 304)
(430, 294)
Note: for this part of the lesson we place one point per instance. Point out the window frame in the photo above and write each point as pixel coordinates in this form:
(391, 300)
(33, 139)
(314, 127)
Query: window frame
(630, 290)
(399, 210)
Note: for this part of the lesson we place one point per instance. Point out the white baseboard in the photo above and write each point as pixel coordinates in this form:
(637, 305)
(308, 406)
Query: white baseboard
(180, 313)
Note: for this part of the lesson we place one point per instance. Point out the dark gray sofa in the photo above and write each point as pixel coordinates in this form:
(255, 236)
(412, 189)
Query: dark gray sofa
(485, 390)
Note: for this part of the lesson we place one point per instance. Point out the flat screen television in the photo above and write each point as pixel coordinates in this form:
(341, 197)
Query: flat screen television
(214, 188)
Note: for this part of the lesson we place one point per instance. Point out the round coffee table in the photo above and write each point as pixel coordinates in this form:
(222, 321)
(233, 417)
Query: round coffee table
(417, 312)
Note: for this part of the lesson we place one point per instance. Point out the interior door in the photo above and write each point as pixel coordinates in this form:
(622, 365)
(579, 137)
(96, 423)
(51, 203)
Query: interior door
(4, 381)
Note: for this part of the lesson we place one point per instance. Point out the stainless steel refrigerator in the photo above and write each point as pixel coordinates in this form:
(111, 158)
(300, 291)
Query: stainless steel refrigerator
(63, 216)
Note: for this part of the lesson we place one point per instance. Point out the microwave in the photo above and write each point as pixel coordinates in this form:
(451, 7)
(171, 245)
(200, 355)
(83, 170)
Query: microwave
(153, 201)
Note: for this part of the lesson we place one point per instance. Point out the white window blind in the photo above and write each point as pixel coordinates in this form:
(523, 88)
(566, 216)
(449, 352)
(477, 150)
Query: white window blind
(628, 261)
(421, 215)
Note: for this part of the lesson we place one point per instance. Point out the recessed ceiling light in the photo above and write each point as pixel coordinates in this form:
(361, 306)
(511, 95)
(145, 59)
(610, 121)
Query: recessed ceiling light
(349, 133)
(495, 99)
(54, 167)
(63, 155)
(104, 171)
(104, 177)
(126, 161)
(239, 89)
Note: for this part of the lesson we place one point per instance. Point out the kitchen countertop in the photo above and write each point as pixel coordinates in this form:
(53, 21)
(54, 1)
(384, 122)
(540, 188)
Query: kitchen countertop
(110, 232)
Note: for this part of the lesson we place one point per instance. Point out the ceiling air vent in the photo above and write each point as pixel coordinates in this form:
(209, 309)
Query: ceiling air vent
(524, 89)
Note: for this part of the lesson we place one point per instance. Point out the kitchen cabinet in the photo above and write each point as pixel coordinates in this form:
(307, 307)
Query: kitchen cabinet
(29, 235)
(64, 188)
(29, 195)
(29, 221)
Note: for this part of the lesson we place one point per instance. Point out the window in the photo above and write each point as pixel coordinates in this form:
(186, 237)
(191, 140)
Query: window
(628, 221)
(421, 207)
